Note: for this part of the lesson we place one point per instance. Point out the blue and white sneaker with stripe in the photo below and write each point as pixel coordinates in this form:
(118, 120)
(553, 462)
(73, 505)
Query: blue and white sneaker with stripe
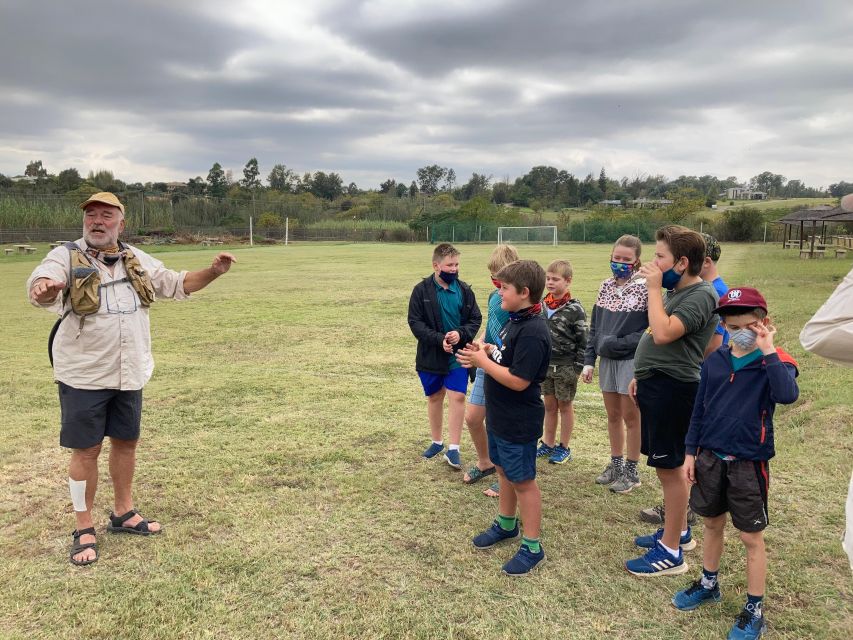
(686, 542)
(657, 562)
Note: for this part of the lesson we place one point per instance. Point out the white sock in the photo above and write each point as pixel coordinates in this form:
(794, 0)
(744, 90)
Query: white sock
(672, 552)
(440, 443)
(684, 533)
(454, 447)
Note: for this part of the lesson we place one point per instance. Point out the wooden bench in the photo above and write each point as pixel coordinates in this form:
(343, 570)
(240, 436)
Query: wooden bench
(31, 250)
(817, 253)
(840, 253)
(9, 251)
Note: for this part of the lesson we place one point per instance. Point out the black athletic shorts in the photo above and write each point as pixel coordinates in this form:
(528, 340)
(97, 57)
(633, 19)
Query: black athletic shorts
(90, 414)
(666, 405)
(737, 486)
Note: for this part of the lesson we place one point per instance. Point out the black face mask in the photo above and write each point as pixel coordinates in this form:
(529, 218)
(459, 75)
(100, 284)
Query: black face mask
(448, 278)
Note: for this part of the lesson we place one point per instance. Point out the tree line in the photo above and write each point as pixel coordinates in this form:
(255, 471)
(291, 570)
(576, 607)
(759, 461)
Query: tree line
(542, 187)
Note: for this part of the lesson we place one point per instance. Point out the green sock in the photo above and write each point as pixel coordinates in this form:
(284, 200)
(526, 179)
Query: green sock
(507, 523)
(532, 544)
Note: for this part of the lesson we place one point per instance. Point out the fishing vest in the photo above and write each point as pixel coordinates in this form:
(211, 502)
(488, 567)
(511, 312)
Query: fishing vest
(84, 286)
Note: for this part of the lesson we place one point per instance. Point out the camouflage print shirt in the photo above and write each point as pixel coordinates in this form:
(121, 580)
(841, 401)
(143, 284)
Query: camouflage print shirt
(569, 329)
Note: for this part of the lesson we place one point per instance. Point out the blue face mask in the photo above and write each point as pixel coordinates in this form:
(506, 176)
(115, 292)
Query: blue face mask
(621, 270)
(743, 339)
(449, 278)
(670, 279)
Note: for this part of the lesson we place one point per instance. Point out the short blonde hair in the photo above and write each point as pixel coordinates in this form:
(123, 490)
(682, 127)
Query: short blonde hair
(562, 268)
(502, 255)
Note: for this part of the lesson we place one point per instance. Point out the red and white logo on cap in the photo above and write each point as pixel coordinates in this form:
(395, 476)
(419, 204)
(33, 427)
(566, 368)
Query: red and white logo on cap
(735, 294)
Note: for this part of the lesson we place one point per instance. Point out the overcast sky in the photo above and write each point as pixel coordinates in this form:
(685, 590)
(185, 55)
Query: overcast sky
(160, 90)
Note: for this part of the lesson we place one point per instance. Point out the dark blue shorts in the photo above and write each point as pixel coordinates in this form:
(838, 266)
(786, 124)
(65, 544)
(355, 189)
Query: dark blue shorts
(456, 380)
(517, 459)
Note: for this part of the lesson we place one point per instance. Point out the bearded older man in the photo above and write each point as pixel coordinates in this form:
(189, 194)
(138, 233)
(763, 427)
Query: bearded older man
(102, 288)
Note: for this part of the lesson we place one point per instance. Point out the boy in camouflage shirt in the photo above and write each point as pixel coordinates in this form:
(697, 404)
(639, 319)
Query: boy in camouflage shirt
(568, 326)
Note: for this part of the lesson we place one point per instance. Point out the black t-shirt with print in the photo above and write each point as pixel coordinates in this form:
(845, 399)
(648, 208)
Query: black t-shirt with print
(524, 347)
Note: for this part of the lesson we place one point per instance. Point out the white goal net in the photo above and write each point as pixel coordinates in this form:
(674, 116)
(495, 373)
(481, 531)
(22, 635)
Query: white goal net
(527, 235)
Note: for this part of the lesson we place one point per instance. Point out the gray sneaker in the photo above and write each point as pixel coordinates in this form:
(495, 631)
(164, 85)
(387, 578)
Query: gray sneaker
(626, 482)
(608, 476)
(655, 515)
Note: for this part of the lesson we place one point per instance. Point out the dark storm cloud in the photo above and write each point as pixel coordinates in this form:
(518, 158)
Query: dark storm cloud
(372, 88)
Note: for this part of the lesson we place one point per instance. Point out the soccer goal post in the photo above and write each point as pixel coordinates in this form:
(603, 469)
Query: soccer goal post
(527, 235)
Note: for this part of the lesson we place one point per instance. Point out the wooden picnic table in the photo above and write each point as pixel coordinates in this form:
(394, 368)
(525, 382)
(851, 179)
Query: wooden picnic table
(21, 248)
(817, 253)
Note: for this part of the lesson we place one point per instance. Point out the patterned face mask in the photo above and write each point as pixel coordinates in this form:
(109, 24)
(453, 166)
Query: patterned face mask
(743, 339)
(621, 270)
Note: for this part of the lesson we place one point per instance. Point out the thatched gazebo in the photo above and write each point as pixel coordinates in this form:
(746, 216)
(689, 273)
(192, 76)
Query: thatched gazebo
(819, 215)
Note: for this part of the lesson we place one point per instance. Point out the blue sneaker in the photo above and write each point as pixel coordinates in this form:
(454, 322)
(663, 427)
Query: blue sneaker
(694, 596)
(561, 455)
(657, 562)
(433, 450)
(524, 561)
(686, 542)
(493, 535)
(452, 458)
(544, 450)
(747, 626)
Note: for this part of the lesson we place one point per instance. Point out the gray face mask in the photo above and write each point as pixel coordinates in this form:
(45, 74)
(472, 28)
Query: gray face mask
(743, 339)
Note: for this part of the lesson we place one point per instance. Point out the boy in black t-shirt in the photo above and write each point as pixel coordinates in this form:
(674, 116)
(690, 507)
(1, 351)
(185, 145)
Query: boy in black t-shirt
(515, 367)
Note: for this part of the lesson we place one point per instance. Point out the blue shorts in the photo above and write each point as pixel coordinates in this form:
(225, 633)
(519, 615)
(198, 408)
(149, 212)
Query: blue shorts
(478, 391)
(517, 459)
(456, 380)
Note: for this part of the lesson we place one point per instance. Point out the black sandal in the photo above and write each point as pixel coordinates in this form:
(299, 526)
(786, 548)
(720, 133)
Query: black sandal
(77, 547)
(116, 524)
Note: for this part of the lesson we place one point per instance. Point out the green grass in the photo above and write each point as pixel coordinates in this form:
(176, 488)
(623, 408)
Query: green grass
(281, 441)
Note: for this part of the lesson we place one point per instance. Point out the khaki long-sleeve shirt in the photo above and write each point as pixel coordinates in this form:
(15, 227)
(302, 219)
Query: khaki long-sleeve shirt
(112, 348)
(830, 331)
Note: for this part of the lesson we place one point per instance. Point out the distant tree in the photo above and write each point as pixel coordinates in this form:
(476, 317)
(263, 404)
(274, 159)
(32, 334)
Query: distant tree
(250, 175)
(217, 184)
(449, 180)
(268, 220)
(430, 177)
(500, 193)
(160, 187)
(326, 185)
(5, 182)
(477, 185)
(768, 182)
(352, 189)
(68, 180)
(840, 189)
(401, 190)
(196, 186)
(35, 169)
(281, 179)
(388, 186)
(104, 180)
(602, 181)
(413, 190)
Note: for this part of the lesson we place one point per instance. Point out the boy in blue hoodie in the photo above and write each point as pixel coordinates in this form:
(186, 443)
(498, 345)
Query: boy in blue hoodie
(728, 444)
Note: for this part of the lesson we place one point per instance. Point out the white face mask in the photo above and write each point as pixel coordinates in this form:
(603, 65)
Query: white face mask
(743, 339)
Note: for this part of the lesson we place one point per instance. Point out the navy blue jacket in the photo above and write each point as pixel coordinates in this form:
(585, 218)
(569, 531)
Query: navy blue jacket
(733, 413)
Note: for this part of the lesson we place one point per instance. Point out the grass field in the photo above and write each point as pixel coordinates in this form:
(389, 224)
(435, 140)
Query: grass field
(281, 441)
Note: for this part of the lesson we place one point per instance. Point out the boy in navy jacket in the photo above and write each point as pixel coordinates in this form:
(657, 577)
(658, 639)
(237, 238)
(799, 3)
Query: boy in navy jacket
(728, 444)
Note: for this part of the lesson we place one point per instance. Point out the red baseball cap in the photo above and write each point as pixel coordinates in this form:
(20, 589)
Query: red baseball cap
(741, 298)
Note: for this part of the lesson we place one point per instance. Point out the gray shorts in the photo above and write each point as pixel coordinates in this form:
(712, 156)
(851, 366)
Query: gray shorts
(615, 375)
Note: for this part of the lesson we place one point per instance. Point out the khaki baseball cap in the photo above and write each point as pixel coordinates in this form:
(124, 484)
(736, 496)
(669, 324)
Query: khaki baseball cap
(104, 197)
